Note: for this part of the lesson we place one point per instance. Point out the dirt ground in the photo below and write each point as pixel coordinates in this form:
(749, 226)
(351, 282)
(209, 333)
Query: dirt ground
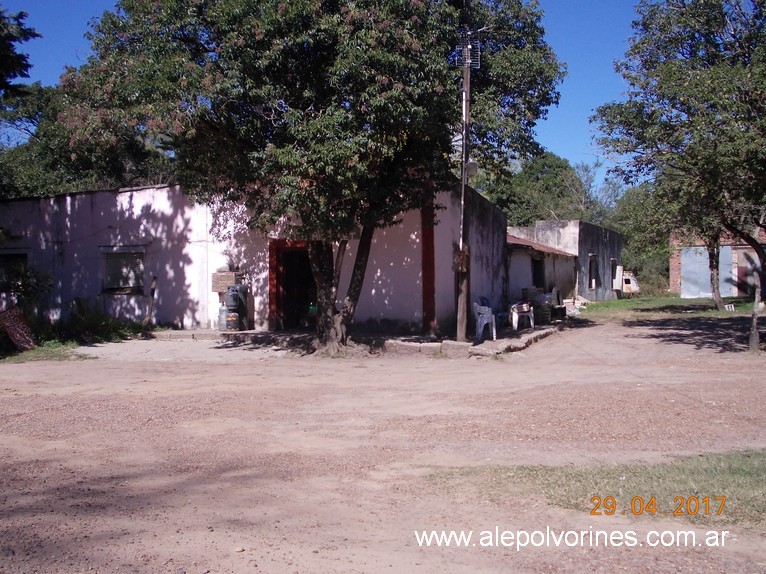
(193, 457)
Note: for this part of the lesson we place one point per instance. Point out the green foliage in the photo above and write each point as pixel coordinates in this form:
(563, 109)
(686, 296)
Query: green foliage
(28, 285)
(314, 111)
(645, 222)
(546, 187)
(662, 306)
(737, 476)
(46, 351)
(86, 325)
(324, 116)
(89, 324)
(42, 163)
(514, 87)
(549, 187)
(695, 117)
(13, 65)
(331, 114)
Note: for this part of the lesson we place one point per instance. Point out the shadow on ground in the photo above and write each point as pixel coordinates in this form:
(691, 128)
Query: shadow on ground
(58, 516)
(580, 323)
(684, 308)
(301, 342)
(721, 334)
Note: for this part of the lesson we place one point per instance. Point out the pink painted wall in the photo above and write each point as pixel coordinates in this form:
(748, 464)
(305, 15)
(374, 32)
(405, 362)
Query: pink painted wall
(393, 288)
(184, 244)
(66, 237)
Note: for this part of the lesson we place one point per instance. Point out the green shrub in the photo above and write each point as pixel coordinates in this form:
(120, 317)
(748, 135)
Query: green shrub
(86, 325)
(89, 324)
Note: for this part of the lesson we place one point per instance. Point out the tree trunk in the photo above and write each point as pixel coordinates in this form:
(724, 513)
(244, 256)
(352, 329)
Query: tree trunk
(333, 325)
(714, 259)
(754, 343)
(357, 275)
(329, 334)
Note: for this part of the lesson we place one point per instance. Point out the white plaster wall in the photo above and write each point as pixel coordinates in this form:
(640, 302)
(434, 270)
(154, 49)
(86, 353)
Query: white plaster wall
(487, 240)
(393, 283)
(66, 237)
(519, 274)
(393, 288)
(185, 243)
(234, 245)
(563, 235)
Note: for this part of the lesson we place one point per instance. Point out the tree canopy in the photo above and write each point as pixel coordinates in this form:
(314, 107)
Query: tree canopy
(694, 119)
(327, 116)
(41, 162)
(337, 110)
(13, 64)
(549, 187)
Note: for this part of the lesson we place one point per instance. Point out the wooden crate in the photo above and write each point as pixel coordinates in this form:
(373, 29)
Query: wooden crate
(223, 279)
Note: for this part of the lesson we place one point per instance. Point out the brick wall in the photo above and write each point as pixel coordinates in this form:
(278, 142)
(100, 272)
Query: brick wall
(675, 271)
(675, 254)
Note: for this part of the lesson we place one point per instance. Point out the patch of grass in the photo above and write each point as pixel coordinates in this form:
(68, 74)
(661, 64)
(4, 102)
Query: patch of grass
(86, 326)
(679, 487)
(48, 351)
(653, 307)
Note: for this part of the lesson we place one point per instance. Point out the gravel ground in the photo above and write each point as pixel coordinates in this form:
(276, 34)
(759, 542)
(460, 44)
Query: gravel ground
(192, 457)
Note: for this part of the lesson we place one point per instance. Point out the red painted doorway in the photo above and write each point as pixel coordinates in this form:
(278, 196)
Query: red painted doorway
(292, 290)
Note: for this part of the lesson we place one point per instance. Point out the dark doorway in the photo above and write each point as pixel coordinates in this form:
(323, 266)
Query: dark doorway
(292, 290)
(298, 290)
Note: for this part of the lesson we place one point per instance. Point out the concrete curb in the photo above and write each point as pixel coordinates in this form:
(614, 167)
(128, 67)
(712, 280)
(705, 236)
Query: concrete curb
(454, 349)
(446, 348)
(186, 335)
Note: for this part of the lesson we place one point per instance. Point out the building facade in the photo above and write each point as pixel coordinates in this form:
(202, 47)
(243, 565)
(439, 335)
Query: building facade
(151, 254)
(596, 253)
(690, 267)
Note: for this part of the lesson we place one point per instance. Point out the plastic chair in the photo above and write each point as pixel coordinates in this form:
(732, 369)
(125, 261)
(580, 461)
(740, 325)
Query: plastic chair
(528, 314)
(500, 316)
(484, 316)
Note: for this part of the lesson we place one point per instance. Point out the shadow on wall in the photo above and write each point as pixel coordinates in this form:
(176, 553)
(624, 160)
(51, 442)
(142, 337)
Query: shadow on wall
(105, 248)
(169, 255)
(392, 295)
(246, 250)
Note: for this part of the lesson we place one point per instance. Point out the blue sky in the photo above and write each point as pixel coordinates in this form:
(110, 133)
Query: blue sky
(588, 35)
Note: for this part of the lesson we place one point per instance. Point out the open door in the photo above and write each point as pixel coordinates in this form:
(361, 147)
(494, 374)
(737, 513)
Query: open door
(292, 290)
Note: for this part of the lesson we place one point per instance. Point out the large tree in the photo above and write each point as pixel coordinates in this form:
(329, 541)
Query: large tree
(695, 116)
(549, 187)
(13, 64)
(38, 160)
(645, 226)
(328, 118)
(546, 187)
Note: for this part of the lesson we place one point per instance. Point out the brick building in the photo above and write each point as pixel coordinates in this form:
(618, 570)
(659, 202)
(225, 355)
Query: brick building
(690, 271)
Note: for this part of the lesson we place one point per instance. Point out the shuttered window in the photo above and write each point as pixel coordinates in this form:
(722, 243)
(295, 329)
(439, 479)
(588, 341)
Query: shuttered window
(124, 272)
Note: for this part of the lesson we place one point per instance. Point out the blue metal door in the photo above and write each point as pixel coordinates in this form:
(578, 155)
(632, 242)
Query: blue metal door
(695, 273)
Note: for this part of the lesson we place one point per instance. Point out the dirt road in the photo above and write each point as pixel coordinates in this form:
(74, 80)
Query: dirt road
(186, 457)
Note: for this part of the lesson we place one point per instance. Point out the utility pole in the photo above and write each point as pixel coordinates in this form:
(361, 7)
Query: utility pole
(462, 260)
